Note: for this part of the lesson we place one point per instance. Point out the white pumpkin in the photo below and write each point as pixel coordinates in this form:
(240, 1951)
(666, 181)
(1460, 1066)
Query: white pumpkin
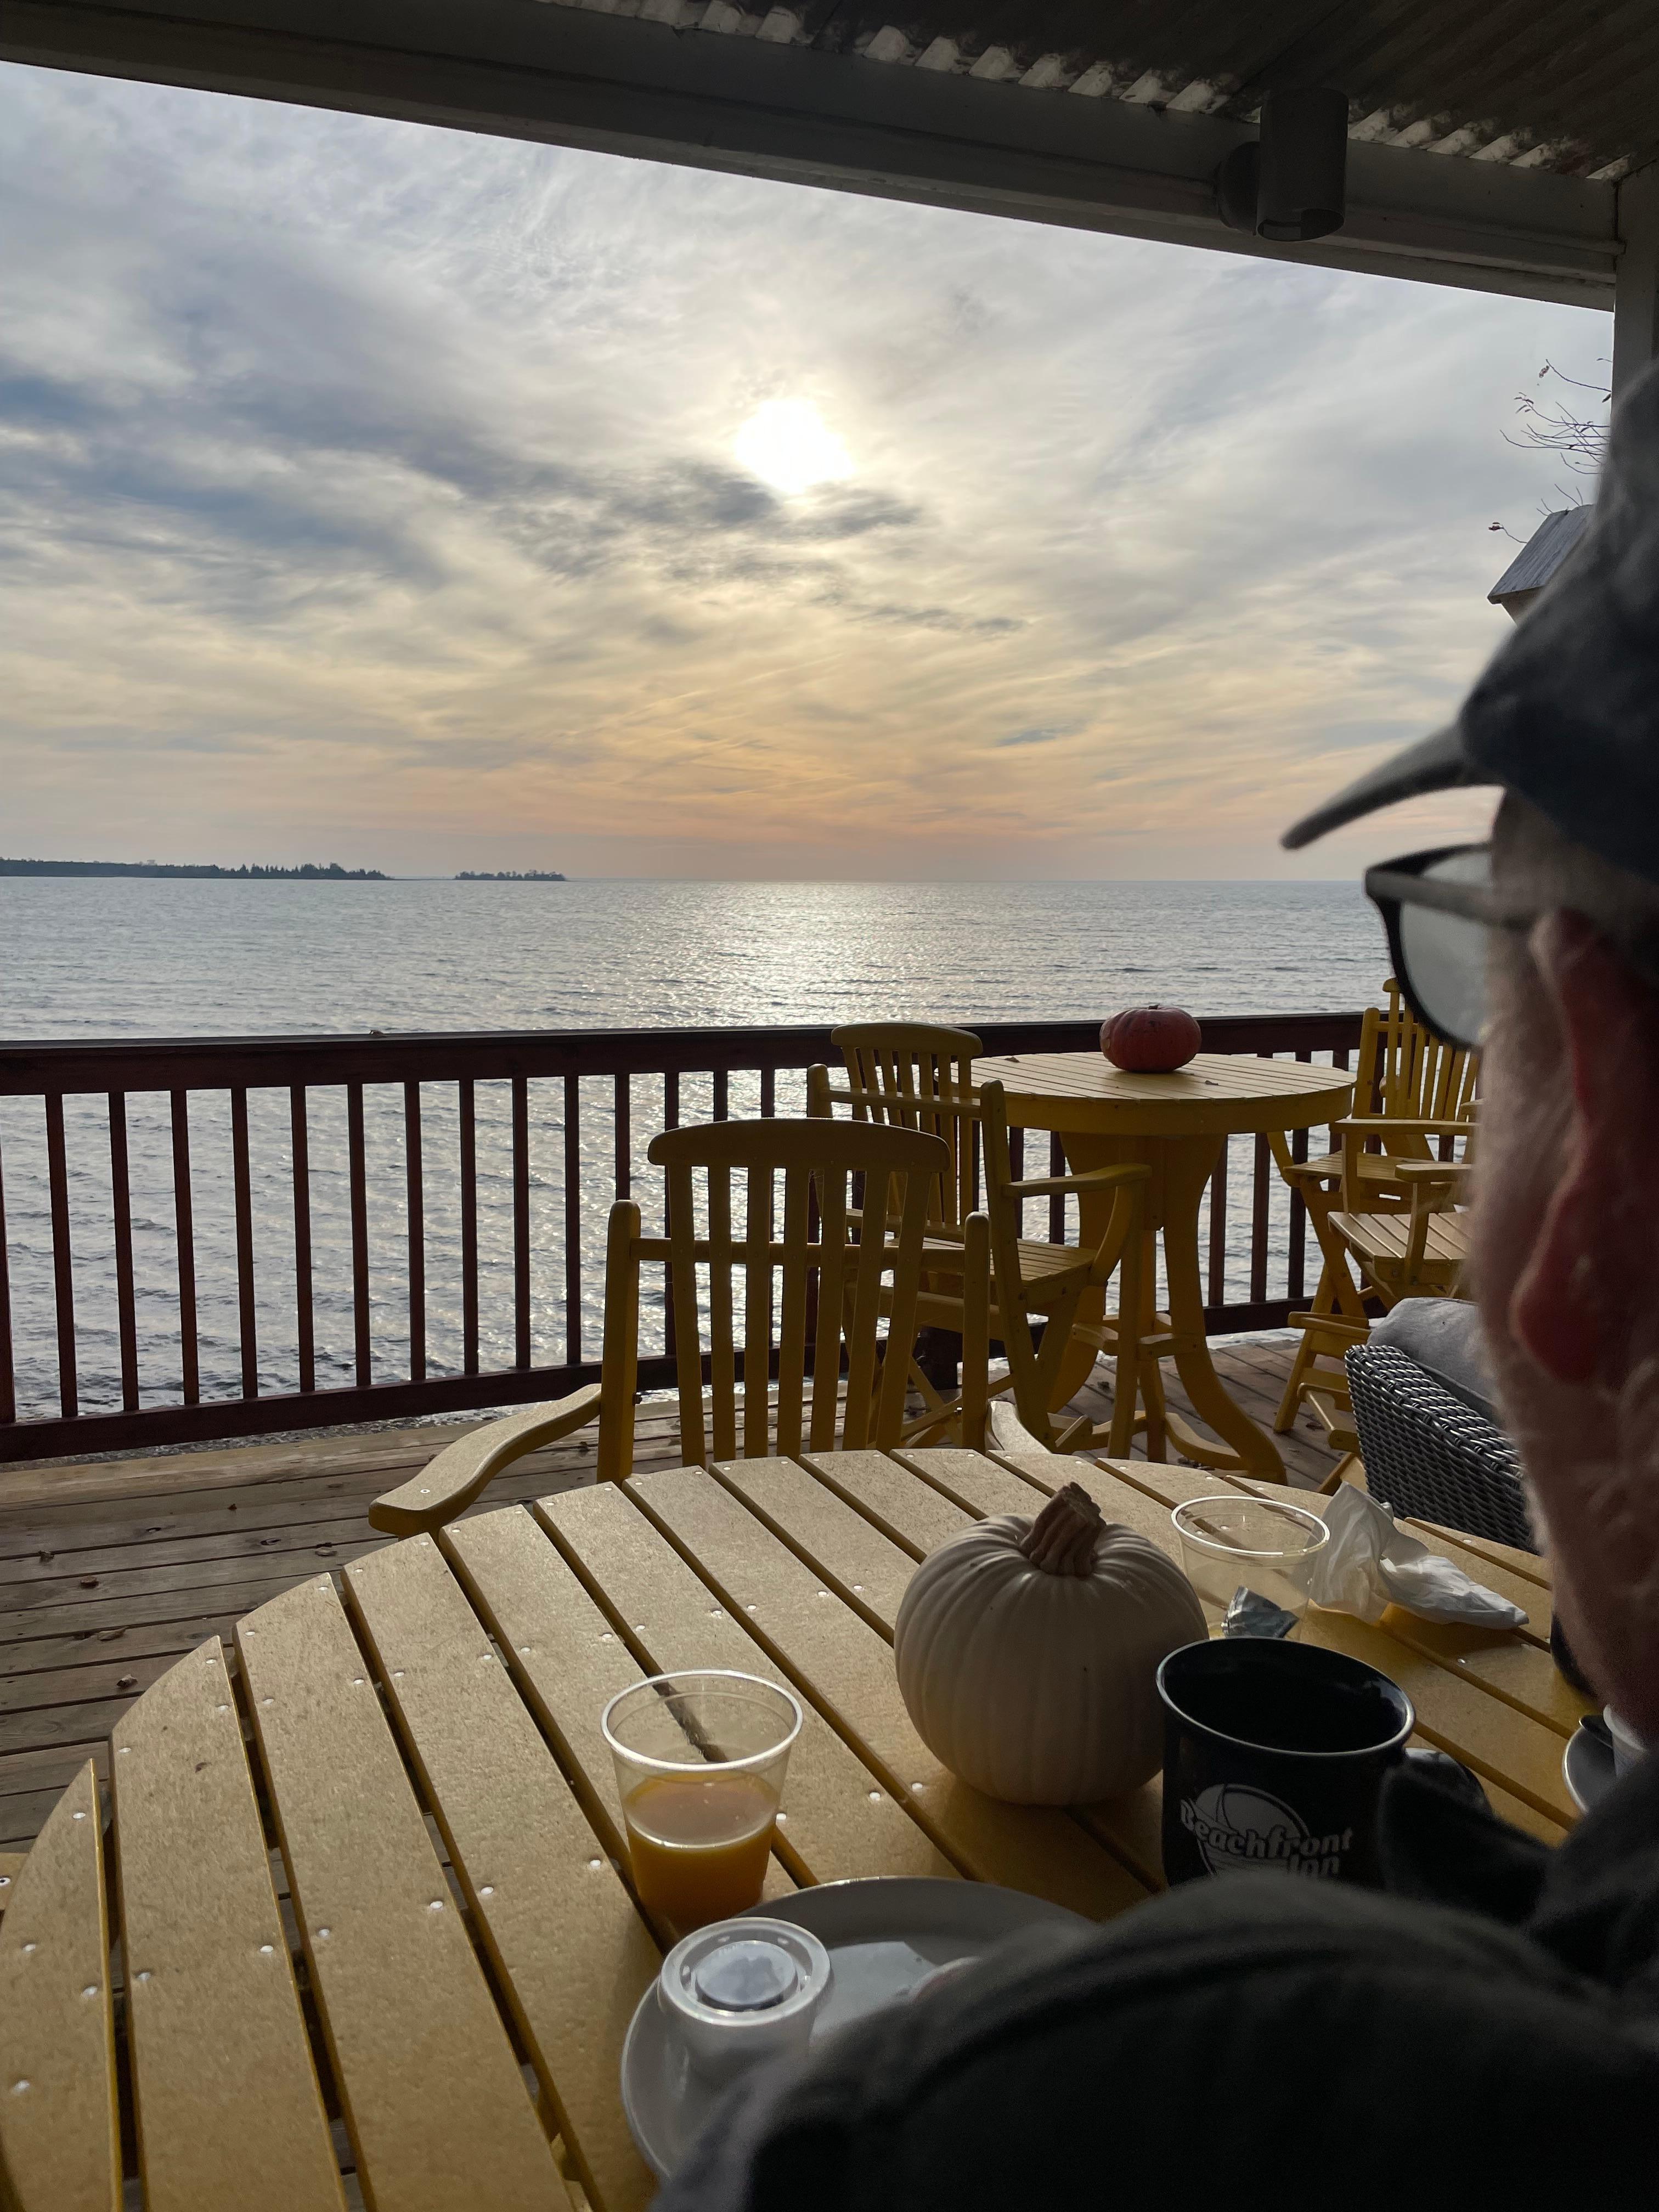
(1026, 1652)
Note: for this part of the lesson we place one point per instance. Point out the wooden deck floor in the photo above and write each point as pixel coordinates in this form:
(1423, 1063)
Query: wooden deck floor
(109, 1573)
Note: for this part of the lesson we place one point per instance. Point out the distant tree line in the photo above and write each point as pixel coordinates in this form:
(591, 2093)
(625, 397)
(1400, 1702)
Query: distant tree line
(510, 876)
(309, 872)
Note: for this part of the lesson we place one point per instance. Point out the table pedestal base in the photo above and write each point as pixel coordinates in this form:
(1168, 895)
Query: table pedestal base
(1180, 1170)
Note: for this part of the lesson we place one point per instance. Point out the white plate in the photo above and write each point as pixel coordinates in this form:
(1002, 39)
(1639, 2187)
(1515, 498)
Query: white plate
(1587, 1769)
(884, 1937)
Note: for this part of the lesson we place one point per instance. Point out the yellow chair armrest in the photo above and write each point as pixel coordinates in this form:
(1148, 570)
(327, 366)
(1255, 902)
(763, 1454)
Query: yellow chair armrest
(1092, 1179)
(1431, 1170)
(1401, 1125)
(451, 1481)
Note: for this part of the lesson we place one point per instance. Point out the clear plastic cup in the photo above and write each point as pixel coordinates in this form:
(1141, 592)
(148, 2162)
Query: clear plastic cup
(699, 1760)
(1233, 1543)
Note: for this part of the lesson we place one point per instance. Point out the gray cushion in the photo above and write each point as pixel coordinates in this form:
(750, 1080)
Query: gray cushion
(1444, 1337)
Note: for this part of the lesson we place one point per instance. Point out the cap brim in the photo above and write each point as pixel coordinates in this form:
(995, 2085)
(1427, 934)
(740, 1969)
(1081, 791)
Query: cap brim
(1437, 763)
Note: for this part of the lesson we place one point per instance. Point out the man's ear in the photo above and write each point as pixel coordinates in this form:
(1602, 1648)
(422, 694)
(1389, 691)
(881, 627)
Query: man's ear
(1594, 1269)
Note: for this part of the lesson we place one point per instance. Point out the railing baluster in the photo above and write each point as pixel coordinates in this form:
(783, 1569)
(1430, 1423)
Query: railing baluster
(416, 1232)
(357, 1176)
(1296, 1286)
(466, 1102)
(1057, 1200)
(1259, 1195)
(572, 1221)
(246, 1313)
(625, 1139)
(768, 1093)
(8, 1370)
(671, 1119)
(1219, 1228)
(63, 1260)
(304, 1319)
(126, 1317)
(520, 1222)
(190, 1369)
(722, 1094)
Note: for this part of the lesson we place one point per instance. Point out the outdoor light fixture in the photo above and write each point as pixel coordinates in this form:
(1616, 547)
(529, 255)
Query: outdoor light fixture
(1289, 184)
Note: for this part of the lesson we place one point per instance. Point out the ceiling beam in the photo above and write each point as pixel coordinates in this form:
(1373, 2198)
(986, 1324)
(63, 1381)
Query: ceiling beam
(568, 76)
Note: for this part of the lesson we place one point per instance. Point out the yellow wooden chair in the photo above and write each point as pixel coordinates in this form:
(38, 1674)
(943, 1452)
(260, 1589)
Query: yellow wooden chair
(829, 1278)
(1413, 1250)
(914, 1075)
(1422, 1091)
(910, 1074)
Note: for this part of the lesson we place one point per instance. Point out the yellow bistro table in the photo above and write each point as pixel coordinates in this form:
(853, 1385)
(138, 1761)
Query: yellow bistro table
(372, 1916)
(1176, 1125)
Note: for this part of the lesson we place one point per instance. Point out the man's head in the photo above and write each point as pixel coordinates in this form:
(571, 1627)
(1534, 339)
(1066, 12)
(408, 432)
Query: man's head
(1566, 1234)
(1566, 721)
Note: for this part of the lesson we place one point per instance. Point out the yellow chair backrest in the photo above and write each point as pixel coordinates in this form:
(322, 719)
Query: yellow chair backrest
(1417, 1077)
(764, 1227)
(915, 1075)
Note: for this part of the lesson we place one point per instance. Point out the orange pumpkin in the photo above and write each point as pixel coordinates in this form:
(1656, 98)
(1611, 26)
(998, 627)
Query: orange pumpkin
(1150, 1040)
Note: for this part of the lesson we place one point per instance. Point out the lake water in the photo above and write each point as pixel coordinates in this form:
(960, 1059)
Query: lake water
(116, 958)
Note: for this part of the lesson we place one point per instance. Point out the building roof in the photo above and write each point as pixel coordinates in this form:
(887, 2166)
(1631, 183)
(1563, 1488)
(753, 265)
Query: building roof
(1567, 85)
(1543, 554)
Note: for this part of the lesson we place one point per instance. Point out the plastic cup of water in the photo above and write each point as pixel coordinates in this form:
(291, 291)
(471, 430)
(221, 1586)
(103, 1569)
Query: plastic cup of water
(700, 1759)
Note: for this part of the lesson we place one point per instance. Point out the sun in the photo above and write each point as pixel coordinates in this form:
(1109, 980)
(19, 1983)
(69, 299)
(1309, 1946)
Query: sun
(787, 443)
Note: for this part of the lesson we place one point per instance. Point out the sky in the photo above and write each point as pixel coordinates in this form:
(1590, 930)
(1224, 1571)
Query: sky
(426, 502)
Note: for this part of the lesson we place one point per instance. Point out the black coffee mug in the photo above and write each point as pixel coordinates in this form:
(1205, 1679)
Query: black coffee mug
(1273, 1758)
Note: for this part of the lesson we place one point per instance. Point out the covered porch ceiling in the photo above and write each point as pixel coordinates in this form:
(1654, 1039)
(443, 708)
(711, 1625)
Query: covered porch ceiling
(1498, 145)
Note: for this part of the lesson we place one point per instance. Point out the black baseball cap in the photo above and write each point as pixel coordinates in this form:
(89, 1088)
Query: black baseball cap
(1567, 712)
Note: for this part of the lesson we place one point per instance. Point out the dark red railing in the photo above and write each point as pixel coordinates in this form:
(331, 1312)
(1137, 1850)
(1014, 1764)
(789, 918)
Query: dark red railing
(184, 1321)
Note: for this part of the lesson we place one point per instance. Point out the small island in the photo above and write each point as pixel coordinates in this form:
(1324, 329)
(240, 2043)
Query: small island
(510, 876)
(311, 871)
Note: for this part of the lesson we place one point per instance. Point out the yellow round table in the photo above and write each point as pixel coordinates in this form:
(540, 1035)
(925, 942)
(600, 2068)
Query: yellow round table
(1176, 1125)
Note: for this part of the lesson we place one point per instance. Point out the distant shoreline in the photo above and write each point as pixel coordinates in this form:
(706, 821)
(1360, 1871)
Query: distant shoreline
(311, 871)
(510, 876)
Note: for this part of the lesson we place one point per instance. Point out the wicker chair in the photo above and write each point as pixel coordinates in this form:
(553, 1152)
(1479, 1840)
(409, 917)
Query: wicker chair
(1429, 1456)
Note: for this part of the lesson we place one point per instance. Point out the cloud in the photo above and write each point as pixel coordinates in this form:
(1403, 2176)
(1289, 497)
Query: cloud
(1016, 738)
(377, 485)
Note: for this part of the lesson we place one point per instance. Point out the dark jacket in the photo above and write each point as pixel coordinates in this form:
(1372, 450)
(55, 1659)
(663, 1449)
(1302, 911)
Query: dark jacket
(1487, 2034)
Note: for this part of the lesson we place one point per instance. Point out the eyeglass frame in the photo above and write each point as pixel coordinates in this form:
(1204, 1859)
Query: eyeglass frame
(1405, 882)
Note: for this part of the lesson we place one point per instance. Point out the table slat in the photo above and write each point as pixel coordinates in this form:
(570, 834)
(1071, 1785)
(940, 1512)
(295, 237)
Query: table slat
(569, 1948)
(1507, 1747)
(213, 2013)
(865, 1570)
(847, 1667)
(980, 1486)
(838, 1825)
(567, 1658)
(437, 2110)
(912, 1515)
(60, 2135)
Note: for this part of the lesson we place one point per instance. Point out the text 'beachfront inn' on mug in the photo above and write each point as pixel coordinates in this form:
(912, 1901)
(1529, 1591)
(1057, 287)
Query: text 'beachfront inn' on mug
(1273, 1759)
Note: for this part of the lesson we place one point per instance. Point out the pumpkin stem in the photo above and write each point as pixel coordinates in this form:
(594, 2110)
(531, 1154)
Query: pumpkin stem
(1062, 1540)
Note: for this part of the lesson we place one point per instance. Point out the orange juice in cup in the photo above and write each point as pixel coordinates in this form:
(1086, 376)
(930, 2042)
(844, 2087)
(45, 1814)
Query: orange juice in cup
(699, 1760)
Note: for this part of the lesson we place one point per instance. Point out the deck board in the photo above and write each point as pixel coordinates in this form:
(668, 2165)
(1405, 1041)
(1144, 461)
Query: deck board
(177, 1548)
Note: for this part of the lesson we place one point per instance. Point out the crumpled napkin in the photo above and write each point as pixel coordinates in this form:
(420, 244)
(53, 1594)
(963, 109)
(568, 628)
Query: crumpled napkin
(1372, 1563)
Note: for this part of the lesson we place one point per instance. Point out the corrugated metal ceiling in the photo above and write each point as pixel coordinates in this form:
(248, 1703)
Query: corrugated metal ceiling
(1569, 85)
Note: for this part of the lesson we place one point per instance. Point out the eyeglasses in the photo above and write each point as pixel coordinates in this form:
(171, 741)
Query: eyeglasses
(1437, 908)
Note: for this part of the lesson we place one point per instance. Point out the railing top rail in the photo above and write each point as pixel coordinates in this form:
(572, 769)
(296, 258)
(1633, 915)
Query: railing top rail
(29, 1068)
